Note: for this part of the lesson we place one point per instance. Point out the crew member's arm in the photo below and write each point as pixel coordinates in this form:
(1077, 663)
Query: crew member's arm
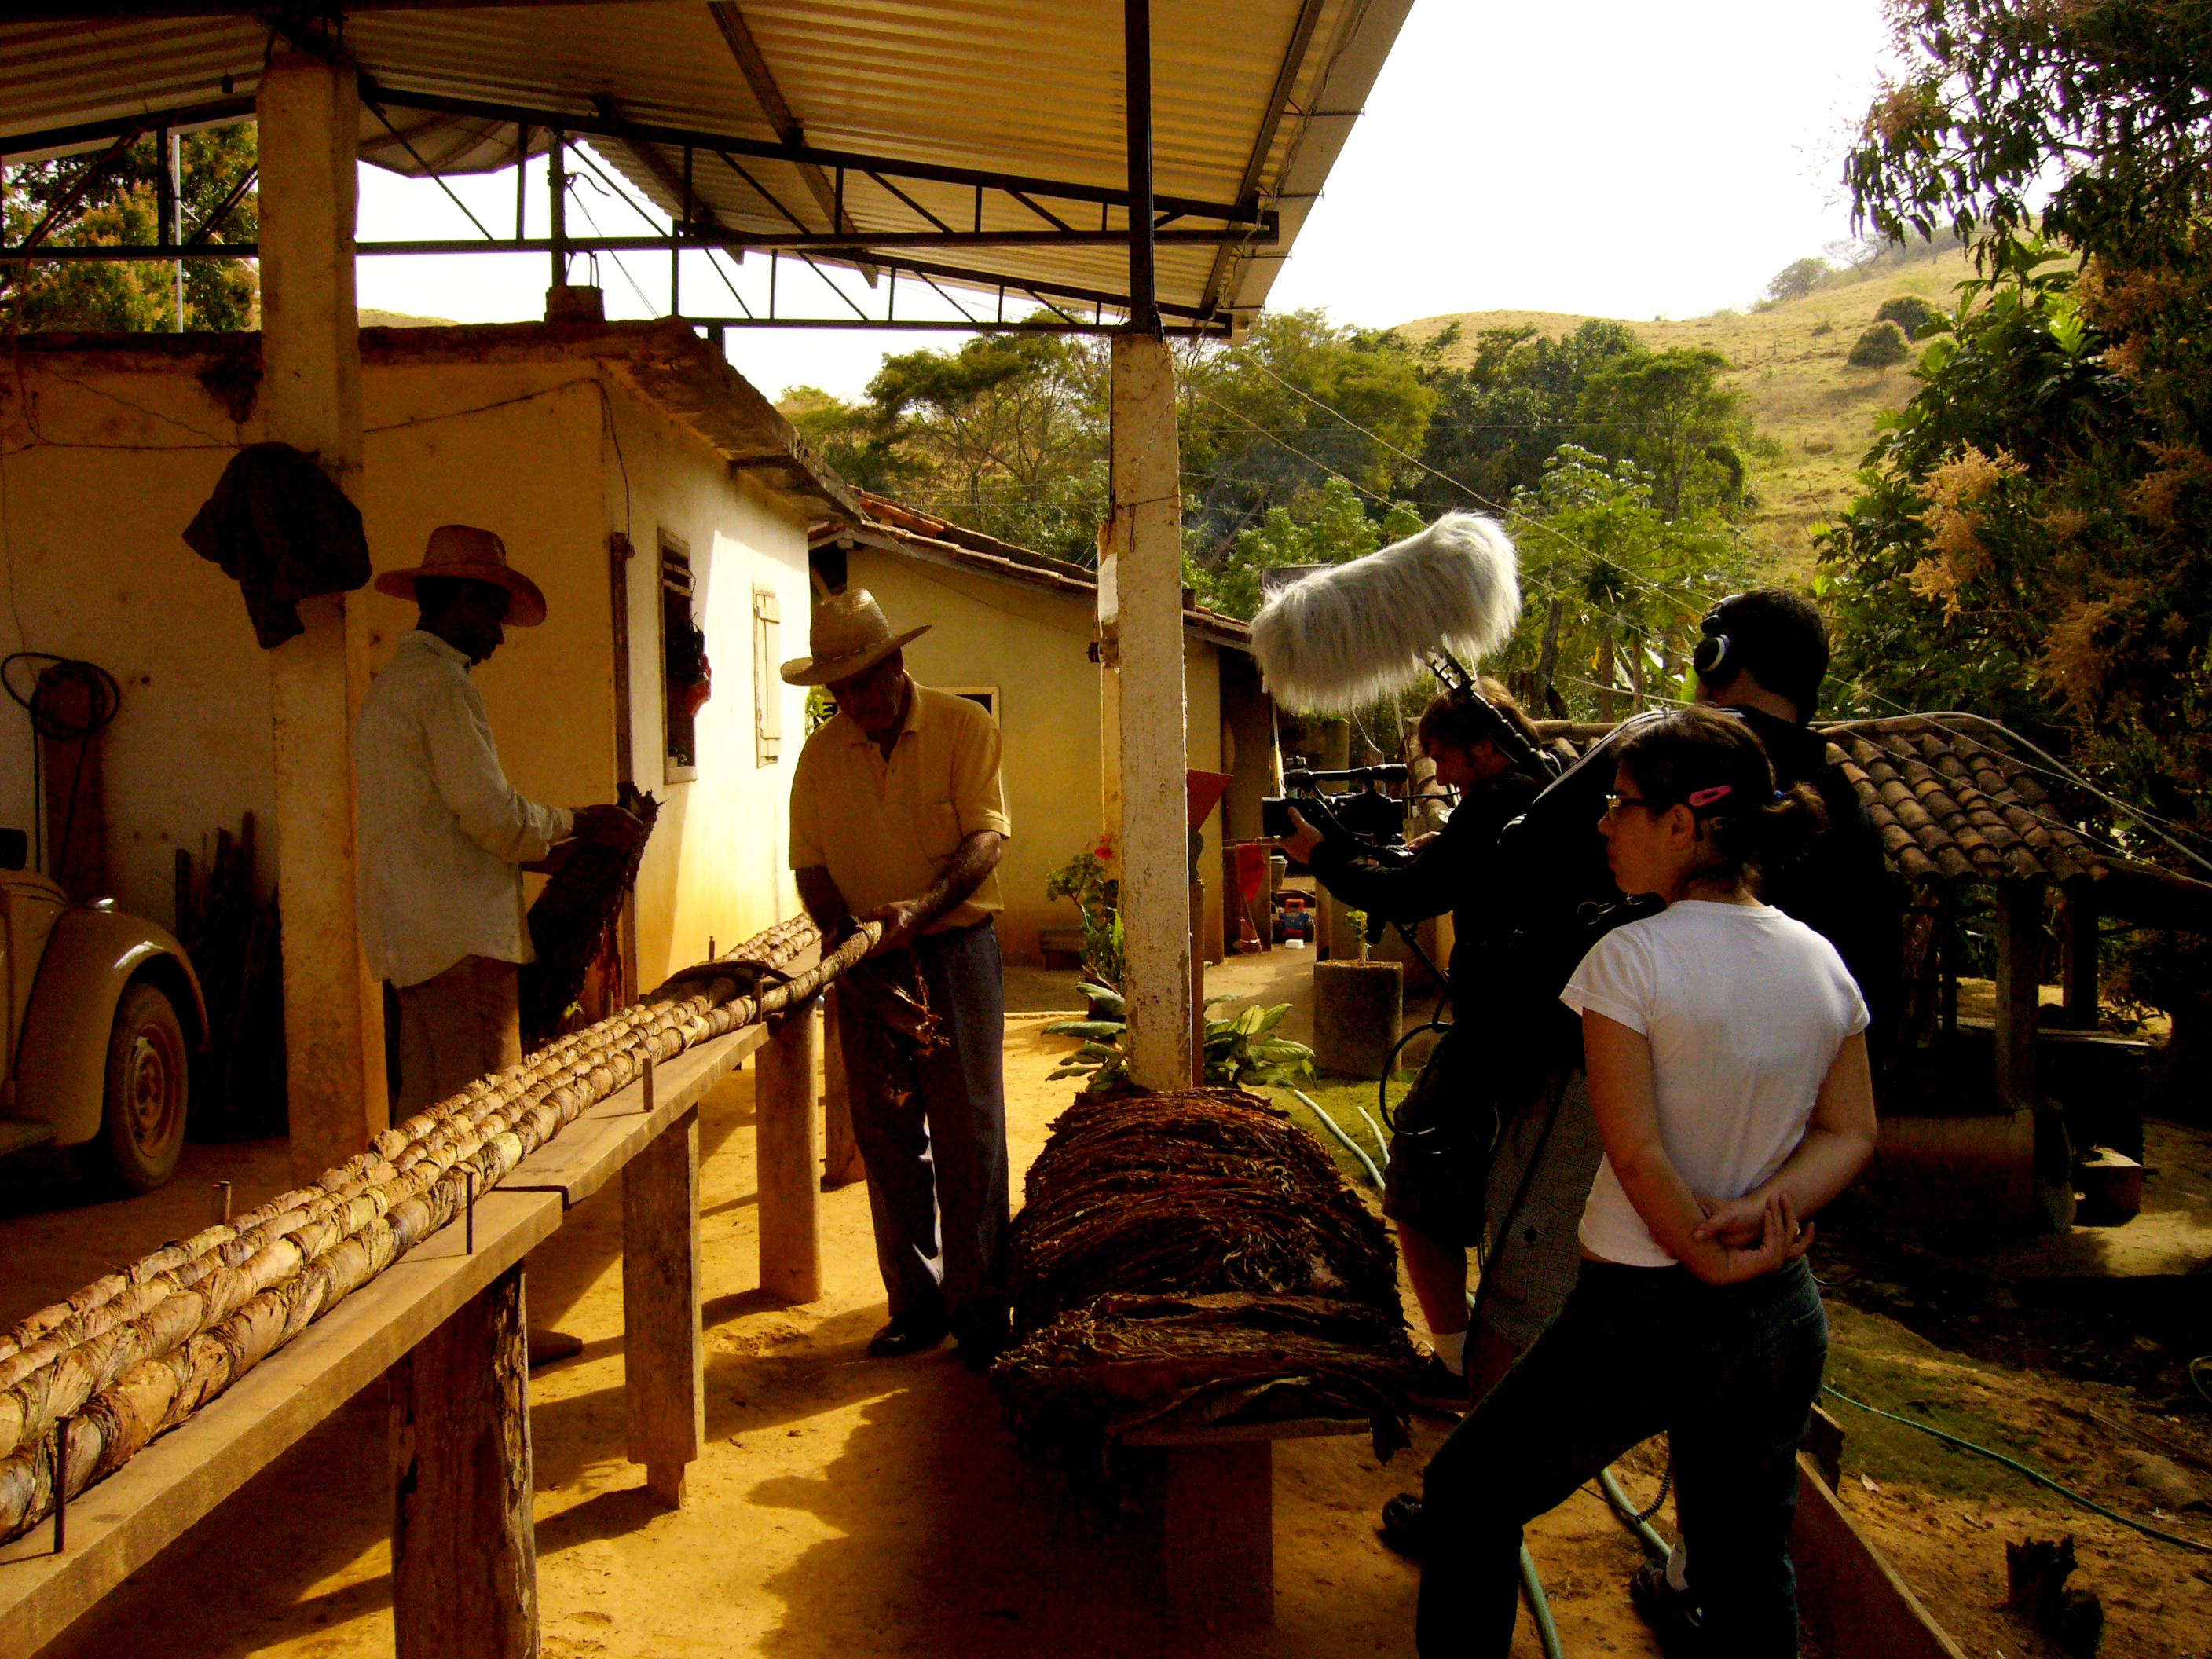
(1447, 873)
(465, 766)
(1624, 1101)
(1837, 1143)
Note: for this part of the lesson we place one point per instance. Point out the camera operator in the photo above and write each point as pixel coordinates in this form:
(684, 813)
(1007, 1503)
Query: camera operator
(1484, 746)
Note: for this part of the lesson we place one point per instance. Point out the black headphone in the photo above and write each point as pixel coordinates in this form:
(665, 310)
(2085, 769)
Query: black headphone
(1711, 658)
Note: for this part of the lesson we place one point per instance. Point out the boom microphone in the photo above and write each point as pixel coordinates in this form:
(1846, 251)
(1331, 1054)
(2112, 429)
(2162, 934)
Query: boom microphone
(1344, 637)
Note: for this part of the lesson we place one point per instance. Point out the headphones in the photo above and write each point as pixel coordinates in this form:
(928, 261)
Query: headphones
(1713, 660)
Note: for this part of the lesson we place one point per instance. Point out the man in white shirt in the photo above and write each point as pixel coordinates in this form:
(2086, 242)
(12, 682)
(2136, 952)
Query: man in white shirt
(443, 836)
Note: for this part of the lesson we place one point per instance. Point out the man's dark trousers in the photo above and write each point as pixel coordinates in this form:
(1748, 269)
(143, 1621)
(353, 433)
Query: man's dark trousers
(933, 1128)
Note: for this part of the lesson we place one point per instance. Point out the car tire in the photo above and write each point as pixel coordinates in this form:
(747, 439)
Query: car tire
(149, 1085)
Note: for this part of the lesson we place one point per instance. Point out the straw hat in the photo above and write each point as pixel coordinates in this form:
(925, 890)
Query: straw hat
(462, 552)
(849, 635)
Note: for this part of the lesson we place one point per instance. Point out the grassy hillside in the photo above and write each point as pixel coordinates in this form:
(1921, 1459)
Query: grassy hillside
(1817, 411)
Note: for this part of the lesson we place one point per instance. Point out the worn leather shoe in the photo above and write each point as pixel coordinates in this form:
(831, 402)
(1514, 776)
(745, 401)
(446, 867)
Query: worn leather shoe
(1674, 1615)
(1401, 1525)
(906, 1334)
(1435, 1388)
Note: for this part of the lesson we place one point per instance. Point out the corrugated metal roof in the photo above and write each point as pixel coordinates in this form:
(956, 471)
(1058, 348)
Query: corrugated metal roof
(1023, 87)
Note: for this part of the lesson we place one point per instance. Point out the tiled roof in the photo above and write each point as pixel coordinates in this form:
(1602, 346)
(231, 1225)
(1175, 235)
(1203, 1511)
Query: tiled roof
(1954, 800)
(1951, 796)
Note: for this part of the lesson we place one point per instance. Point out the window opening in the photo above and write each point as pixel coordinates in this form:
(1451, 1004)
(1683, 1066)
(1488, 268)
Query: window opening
(687, 677)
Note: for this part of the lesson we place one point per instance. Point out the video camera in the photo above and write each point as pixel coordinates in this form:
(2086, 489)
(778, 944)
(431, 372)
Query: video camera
(1364, 814)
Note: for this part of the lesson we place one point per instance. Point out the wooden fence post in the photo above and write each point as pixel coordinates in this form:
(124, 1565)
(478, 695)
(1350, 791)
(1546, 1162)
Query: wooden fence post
(464, 1550)
(783, 1119)
(662, 1370)
(840, 1153)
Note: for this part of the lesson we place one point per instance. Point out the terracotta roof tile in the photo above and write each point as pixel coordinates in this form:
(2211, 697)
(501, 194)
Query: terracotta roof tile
(1950, 796)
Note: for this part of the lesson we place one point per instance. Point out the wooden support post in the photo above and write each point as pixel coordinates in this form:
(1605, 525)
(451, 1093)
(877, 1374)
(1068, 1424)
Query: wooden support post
(840, 1153)
(1147, 585)
(1218, 1549)
(2081, 961)
(664, 1375)
(783, 1134)
(1197, 980)
(463, 1553)
(2019, 974)
(309, 114)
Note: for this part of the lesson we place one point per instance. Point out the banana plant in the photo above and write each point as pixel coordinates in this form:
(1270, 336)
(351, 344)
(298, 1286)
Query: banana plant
(1240, 1048)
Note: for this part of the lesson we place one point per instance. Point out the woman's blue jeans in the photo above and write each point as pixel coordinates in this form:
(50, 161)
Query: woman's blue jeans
(1729, 1372)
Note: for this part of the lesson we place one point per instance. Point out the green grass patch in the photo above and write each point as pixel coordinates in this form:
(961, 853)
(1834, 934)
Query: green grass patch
(1342, 1098)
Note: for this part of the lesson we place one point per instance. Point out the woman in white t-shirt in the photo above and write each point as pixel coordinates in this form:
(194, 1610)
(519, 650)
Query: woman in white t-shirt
(1727, 1062)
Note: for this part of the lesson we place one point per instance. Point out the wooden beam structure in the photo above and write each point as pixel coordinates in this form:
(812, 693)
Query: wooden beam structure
(783, 1108)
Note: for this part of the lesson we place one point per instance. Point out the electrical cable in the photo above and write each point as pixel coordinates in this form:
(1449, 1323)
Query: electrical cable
(1638, 1520)
(1358, 1151)
(1539, 1608)
(2014, 1464)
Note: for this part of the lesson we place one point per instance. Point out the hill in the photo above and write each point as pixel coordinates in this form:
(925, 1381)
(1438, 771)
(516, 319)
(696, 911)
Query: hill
(1814, 412)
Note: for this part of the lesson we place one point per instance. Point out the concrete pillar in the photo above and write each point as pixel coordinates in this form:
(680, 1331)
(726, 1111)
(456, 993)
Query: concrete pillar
(309, 113)
(1147, 583)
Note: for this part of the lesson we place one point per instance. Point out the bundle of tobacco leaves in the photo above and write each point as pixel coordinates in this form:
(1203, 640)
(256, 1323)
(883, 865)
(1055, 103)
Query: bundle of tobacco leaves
(570, 923)
(1191, 1259)
(1211, 1189)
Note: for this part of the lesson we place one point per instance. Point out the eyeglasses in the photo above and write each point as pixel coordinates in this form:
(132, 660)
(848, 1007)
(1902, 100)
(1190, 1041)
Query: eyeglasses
(1616, 803)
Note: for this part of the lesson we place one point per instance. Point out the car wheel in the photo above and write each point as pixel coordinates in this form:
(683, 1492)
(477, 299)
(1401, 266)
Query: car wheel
(148, 1087)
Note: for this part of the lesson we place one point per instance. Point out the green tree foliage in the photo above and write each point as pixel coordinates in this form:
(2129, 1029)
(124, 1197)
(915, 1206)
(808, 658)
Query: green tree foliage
(2043, 510)
(1498, 420)
(1883, 346)
(120, 206)
(1909, 311)
(1327, 525)
(1626, 580)
(1798, 278)
(1669, 412)
(1299, 400)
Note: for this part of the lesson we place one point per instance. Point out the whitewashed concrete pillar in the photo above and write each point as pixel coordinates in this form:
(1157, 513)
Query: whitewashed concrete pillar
(1147, 586)
(309, 112)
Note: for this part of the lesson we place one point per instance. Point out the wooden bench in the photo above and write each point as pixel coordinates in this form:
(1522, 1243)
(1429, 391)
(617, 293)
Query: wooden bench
(1217, 1548)
(448, 1325)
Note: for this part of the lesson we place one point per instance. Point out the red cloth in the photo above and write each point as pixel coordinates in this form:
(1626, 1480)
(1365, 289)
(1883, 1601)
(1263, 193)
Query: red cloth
(1251, 869)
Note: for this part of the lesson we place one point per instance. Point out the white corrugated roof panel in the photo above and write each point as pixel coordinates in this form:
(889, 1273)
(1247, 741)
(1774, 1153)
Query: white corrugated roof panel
(1030, 88)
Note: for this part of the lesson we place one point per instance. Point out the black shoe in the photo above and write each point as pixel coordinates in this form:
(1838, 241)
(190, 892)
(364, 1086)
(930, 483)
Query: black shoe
(906, 1334)
(1436, 1387)
(1401, 1525)
(984, 1328)
(1674, 1615)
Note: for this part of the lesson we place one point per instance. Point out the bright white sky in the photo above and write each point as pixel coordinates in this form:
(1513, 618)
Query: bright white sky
(1611, 157)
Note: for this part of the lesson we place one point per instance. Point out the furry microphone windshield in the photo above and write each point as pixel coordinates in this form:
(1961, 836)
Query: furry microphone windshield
(1341, 638)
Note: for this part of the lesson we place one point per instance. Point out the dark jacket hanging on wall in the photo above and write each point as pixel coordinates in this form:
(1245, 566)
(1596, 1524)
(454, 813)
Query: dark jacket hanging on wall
(283, 532)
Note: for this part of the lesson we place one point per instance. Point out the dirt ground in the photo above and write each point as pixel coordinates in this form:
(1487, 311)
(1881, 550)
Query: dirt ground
(845, 1506)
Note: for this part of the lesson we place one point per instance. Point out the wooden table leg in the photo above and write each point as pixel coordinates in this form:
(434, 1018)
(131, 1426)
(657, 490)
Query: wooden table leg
(841, 1154)
(1220, 1544)
(464, 1553)
(783, 1117)
(662, 1370)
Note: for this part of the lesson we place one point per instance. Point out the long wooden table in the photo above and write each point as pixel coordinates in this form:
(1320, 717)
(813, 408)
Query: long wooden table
(447, 1325)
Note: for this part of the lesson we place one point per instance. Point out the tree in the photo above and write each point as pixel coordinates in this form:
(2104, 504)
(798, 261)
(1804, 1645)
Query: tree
(1498, 419)
(1324, 526)
(1669, 412)
(1883, 346)
(1909, 311)
(1298, 400)
(1798, 278)
(119, 204)
(1629, 582)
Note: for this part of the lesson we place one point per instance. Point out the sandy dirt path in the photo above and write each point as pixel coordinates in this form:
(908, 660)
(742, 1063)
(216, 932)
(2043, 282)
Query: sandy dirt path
(843, 1506)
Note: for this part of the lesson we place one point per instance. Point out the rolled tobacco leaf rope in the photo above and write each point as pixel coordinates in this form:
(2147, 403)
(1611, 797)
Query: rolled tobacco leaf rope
(139, 1351)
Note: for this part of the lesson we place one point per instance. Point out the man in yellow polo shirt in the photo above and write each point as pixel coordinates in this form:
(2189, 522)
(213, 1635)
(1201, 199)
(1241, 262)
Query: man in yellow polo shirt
(897, 817)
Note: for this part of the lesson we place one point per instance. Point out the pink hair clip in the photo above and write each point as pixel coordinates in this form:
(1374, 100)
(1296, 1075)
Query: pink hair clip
(1707, 797)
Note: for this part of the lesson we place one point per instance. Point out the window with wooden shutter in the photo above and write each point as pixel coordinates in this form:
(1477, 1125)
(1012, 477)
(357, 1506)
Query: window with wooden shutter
(768, 684)
(686, 678)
